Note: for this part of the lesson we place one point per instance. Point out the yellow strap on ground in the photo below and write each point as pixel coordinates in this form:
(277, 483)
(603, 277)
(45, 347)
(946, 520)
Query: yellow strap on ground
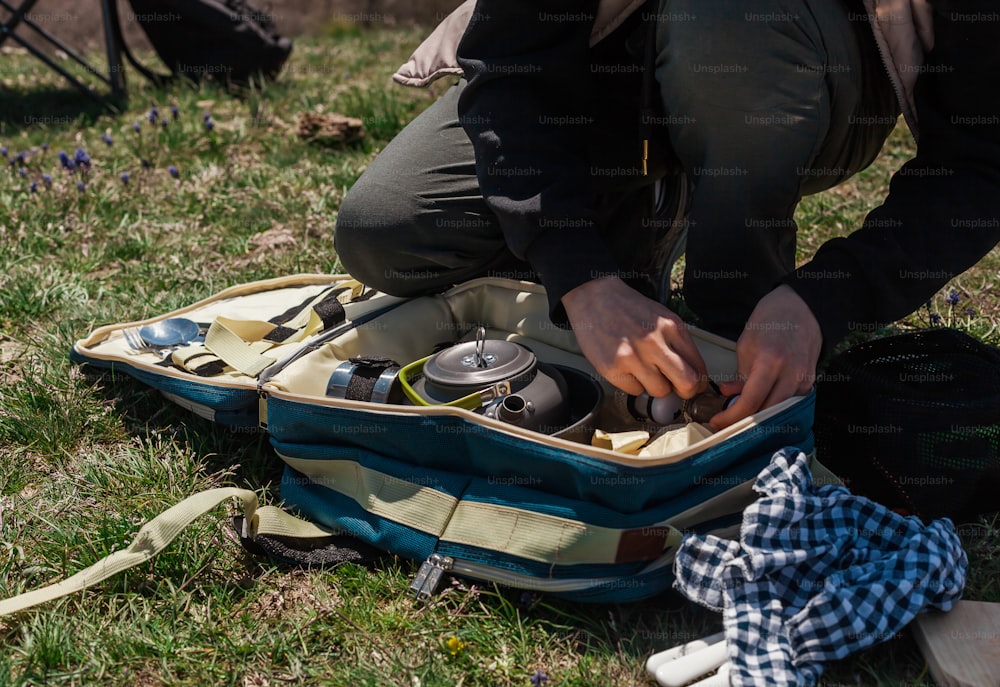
(154, 536)
(157, 534)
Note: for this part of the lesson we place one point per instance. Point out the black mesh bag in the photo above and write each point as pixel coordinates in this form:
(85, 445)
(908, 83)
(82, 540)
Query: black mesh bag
(913, 422)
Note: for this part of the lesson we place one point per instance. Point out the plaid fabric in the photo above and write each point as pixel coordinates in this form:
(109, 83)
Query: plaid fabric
(817, 574)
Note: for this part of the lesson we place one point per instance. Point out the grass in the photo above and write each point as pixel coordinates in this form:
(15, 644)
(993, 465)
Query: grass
(85, 460)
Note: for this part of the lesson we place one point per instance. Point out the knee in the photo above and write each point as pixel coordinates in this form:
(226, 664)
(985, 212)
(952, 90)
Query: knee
(362, 237)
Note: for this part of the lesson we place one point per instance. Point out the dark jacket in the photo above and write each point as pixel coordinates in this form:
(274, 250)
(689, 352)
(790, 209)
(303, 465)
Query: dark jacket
(941, 216)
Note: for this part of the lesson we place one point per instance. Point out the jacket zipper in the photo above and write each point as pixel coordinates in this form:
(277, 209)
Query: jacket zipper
(646, 96)
(904, 105)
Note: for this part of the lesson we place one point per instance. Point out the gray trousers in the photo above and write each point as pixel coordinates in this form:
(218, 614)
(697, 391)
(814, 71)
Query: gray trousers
(763, 101)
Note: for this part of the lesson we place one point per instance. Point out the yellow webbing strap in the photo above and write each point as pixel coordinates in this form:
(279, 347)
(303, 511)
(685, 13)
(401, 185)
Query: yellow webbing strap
(157, 534)
(505, 529)
(154, 536)
(413, 505)
(238, 344)
(537, 536)
(241, 344)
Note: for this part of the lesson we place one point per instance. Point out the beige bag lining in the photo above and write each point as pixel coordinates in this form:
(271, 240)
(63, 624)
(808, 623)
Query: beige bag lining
(513, 310)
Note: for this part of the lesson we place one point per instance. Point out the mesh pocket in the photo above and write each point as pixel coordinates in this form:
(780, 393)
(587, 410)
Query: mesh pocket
(913, 421)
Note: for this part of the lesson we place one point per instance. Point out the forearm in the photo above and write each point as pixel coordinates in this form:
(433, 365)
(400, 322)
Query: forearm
(943, 211)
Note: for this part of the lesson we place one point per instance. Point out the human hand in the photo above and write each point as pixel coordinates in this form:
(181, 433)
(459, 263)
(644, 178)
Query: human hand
(635, 343)
(776, 356)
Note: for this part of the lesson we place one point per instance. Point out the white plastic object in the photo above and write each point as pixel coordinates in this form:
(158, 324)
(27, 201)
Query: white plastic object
(664, 410)
(683, 670)
(720, 679)
(657, 660)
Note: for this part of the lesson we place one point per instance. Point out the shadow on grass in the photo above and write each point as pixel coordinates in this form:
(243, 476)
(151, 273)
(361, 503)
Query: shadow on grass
(244, 452)
(47, 107)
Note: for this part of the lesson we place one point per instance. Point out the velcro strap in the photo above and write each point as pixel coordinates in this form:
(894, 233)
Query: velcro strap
(280, 333)
(331, 312)
(336, 292)
(366, 373)
(198, 360)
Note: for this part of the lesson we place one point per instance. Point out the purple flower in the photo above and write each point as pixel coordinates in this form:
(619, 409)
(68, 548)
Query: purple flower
(209, 124)
(34, 187)
(970, 311)
(125, 177)
(81, 187)
(174, 112)
(953, 298)
(45, 147)
(207, 116)
(164, 123)
(137, 127)
(144, 162)
(65, 161)
(539, 679)
(3, 151)
(47, 178)
(173, 172)
(154, 114)
(935, 318)
(82, 159)
(23, 171)
(107, 139)
(21, 157)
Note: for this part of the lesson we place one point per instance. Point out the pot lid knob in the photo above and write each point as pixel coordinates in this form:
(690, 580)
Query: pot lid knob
(480, 358)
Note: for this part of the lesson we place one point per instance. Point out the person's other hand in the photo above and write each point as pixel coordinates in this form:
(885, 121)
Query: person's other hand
(776, 356)
(635, 343)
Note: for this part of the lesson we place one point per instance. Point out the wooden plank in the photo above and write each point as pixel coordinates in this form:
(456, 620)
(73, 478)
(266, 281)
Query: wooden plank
(962, 647)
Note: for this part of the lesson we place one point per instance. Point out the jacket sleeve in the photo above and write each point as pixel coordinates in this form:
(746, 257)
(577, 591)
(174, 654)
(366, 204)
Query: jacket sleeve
(942, 214)
(524, 108)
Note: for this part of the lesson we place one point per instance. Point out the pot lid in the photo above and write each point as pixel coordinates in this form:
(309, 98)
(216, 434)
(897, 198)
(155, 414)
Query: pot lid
(478, 363)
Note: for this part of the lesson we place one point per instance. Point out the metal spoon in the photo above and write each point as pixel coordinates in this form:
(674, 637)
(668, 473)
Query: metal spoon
(175, 331)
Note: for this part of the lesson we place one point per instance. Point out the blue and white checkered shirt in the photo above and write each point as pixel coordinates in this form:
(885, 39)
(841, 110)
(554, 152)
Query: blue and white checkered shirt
(817, 574)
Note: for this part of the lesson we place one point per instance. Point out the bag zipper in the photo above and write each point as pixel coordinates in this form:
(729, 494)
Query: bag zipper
(431, 572)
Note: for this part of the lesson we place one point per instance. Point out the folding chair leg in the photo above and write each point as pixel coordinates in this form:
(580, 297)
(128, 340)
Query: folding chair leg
(113, 45)
(115, 78)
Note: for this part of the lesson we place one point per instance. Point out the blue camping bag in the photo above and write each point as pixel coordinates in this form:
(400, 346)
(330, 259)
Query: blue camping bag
(589, 512)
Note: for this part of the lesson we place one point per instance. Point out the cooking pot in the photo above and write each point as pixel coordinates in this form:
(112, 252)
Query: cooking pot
(500, 379)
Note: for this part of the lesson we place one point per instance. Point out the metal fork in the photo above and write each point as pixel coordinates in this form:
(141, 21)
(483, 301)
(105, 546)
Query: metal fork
(138, 345)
